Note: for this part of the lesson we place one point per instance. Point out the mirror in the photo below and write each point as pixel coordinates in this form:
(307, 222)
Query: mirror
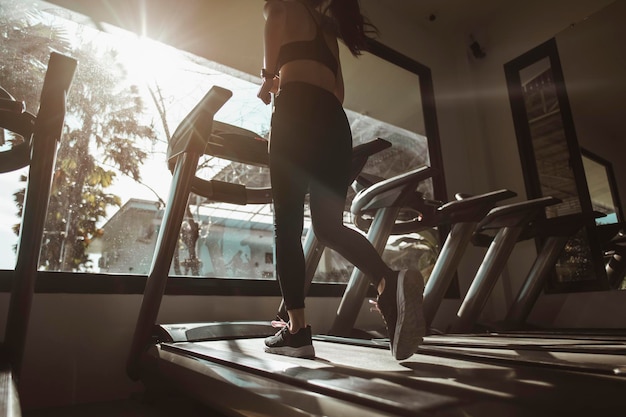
(566, 97)
(593, 59)
(602, 188)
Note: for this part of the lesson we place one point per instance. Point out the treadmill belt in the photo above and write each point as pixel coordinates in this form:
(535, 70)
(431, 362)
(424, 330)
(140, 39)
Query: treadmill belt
(371, 379)
(596, 355)
(9, 399)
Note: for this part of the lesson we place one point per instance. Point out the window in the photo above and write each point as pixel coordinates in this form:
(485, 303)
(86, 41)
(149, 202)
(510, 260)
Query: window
(128, 96)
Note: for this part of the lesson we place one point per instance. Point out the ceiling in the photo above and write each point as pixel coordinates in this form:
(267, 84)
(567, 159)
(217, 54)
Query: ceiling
(447, 14)
(440, 14)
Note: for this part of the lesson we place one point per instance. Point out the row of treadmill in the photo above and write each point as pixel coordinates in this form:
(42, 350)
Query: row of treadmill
(456, 372)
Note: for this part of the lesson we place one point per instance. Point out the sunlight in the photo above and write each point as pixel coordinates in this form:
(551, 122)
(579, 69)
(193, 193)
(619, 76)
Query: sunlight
(148, 60)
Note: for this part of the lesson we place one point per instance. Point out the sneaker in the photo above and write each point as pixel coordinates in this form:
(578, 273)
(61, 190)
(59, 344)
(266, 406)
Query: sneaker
(298, 345)
(400, 304)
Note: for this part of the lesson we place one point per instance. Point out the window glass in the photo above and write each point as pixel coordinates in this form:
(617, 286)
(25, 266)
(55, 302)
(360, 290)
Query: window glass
(9, 220)
(603, 193)
(111, 178)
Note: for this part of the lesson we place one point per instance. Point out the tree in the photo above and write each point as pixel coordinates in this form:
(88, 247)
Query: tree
(107, 113)
(104, 133)
(25, 46)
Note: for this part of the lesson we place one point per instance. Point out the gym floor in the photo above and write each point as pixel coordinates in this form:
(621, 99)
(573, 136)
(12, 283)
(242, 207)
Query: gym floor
(174, 407)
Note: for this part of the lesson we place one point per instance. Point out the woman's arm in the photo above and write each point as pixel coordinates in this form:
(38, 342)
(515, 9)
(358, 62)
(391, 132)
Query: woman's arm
(339, 87)
(275, 23)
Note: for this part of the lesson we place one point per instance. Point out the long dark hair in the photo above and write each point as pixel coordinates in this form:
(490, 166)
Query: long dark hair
(352, 27)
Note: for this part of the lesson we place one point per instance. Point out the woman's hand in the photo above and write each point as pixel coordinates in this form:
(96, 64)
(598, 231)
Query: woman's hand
(267, 89)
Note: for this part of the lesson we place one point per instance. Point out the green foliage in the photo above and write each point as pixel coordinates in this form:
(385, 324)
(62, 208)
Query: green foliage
(104, 134)
(25, 47)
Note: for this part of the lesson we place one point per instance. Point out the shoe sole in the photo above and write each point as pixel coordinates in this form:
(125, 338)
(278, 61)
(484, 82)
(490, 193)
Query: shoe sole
(306, 352)
(410, 324)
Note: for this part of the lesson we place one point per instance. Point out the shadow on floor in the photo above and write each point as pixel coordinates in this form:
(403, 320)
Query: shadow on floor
(174, 407)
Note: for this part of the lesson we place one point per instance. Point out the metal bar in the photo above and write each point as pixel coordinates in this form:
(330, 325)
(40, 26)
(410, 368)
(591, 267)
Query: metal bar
(486, 277)
(46, 135)
(532, 286)
(445, 268)
(352, 299)
(184, 172)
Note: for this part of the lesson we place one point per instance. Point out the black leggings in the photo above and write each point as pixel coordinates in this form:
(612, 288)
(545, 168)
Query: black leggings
(311, 151)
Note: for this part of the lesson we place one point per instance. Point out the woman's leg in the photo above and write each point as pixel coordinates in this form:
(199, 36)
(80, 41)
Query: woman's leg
(289, 177)
(288, 191)
(400, 294)
(328, 189)
(327, 208)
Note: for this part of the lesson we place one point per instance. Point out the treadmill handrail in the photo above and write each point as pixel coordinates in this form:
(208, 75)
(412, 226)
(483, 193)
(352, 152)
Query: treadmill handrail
(13, 117)
(186, 150)
(515, 214)
(18, 156)
(251, 149)
(11, 105)
(194, 130)
(228, 192)
(8, 103)
(471, 208)
(47, 130)
(362, 152)
(390, 189)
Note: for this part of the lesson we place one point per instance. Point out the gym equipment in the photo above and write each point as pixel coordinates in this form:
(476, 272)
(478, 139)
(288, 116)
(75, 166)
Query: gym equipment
(223, 364)
(387, 198)
(555, 233)
(616, 264)
(463, 215)
(510, 221)
(467, 218)
(41, 134)
(14, 118)
(384, 201)
(188, 142)
(197, 134)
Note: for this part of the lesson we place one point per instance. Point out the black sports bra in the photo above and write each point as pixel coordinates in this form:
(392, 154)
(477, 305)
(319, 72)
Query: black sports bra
(316, 49)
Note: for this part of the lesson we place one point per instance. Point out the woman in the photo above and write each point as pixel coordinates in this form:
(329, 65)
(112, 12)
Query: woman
(310, 151)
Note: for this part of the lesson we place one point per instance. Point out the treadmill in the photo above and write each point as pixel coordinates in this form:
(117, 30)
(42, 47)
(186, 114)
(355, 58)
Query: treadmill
(570, 348)
(223, 365)
(41, 134)
(477, 219)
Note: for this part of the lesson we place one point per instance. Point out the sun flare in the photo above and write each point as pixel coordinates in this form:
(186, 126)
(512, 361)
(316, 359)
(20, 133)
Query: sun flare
(148, 60)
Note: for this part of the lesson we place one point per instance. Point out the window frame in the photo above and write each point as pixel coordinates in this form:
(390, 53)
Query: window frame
(549, 50)
(101, 283)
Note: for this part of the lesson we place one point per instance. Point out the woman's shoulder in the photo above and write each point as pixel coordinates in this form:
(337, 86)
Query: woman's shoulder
(274, 6)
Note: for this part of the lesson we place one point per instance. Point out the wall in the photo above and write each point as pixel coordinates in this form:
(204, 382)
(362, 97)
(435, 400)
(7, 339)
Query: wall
(516, 30)
(478, 138)
(593, 67)
(453, 101)
(477, 134)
